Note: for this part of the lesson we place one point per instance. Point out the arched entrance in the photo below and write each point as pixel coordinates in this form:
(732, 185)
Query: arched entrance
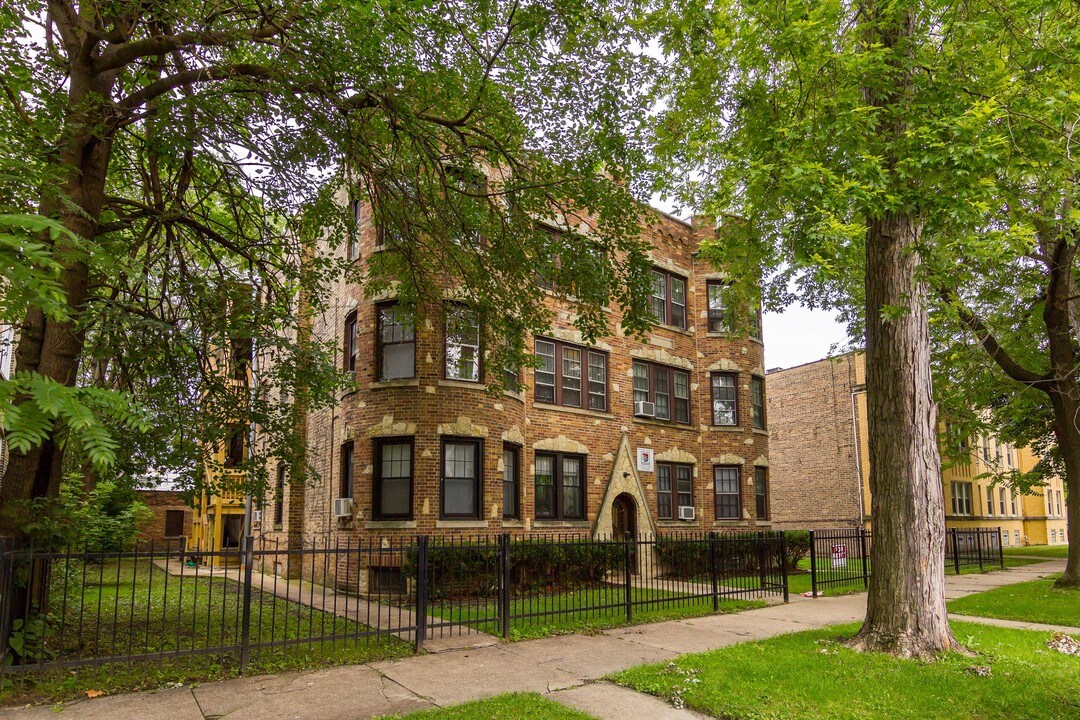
(624, 525)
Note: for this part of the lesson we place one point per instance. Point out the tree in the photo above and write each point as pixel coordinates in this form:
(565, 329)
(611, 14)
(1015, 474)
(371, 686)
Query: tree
(844, 135)
(167, 165)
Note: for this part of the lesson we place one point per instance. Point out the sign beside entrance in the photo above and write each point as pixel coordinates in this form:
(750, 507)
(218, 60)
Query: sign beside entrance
(839, 555)
(646, 461)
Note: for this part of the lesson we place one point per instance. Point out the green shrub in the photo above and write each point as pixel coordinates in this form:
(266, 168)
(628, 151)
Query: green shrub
(798, 547)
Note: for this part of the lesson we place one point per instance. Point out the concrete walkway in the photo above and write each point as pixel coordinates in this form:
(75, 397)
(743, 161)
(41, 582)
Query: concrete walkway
(567, 668)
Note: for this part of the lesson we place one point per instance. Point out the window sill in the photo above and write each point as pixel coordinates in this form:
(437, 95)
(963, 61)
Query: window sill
(520, 397)
(461, 524)
(663, 423)
(759, 431)
(573, 410)
(729, 523)
(676, 523)
(510, 523)
(561, 524)
(724, 428)
(390, 525)
(404, 382)
(469, 384)
(673, 328)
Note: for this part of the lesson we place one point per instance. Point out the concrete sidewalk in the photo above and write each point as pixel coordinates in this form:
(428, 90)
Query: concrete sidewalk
(566, 667)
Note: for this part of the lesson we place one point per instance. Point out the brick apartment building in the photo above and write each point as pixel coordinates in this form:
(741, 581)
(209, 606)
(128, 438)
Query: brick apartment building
(617, 436)
(819, 462)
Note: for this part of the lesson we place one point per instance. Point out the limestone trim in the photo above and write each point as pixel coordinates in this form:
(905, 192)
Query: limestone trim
(727, 459)
(659, 355)
(675, 455)
(388, 428)
(724, 365)
(463, 427)
(561, 444)
(514, 435)
(761, 461)
(624, 479)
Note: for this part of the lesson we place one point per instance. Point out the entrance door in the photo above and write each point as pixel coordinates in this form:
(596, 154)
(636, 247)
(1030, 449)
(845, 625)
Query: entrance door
(624, 524)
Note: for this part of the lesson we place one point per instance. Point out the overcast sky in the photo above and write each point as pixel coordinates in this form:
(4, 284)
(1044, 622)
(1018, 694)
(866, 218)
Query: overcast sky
(799, 335)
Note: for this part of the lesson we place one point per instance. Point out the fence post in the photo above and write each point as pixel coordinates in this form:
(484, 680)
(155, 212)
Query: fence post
(1001, 551)
(504, 579)
(714, 572)
(245, 619)
(978, 547)
(763, 577)
(783, 563)
(6, 571)
(865, 559)
(627, 595)
(421, 592)
(955, 552)
(813, 565)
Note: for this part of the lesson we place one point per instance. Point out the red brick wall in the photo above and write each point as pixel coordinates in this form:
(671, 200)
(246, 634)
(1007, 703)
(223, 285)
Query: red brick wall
(153, 531)
(812, 445)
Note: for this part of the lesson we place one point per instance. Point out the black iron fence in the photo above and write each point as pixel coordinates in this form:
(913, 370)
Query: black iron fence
(841, 557)
(75, 608)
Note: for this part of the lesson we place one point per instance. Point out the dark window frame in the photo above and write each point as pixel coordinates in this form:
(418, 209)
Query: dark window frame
(479, 343)
(712, 398)
(758, 413)
(761, 492)
(478, 480)
(737, 494)
(515, 451)
(584, 393)
(557, 481)
(352, 246)
(377, 486)
(350, 351)
(673, 492)
(716, 320)
(379, 344)
(279, 496)
(673, 399)
(171, 514)
(347, 478)
(668, 300)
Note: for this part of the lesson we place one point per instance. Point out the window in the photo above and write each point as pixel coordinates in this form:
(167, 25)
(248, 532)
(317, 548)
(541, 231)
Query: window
(961, 498)
(761, 492)
(757, 401)
(558, 380)
(234, 451)
(511, 481)
(989, 501)
(392, 486)
(352, 249)
(1016, 537)
(1053, 536)
(1012, 503)
(719, 318)
(395, 338)
(725, 399)
(560, 485)
(674, 489)
(668, 299)
(462, 458)
(1005, 536)
(728, 500)
(279, 496)
(755, 324)
(174, 523)
(351, 342)
(667, 388)
(347, 469)
(1060, 512)
(462, 344)
(1001, 500)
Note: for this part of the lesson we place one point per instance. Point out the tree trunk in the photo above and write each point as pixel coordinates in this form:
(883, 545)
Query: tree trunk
(905, 612)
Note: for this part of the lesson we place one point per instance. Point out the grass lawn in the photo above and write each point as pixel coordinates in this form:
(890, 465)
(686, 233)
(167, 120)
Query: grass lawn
(135, 608)
(560, 613)
(1046, 551)
(812, 675)
(512, 706)
(1035, 601)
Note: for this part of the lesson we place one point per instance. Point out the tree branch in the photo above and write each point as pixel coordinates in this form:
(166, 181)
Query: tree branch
(993, 348)
(188, 77)
(120, 55)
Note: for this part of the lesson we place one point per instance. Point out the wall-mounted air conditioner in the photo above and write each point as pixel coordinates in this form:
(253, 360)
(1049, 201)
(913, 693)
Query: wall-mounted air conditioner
(256, 516)
(686, 512)
(644, 408)
(343, 507)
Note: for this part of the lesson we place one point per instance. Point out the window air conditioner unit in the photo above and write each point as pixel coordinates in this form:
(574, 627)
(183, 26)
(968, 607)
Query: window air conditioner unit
(343, 507)
(686, 512)
(256, 516)
(644, 408)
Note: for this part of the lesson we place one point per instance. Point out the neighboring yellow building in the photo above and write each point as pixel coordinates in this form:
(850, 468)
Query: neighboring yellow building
(971, 501)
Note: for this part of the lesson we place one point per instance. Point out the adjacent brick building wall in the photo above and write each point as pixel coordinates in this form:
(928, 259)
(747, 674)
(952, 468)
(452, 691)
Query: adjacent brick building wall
(815, 432)
(169, 507)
